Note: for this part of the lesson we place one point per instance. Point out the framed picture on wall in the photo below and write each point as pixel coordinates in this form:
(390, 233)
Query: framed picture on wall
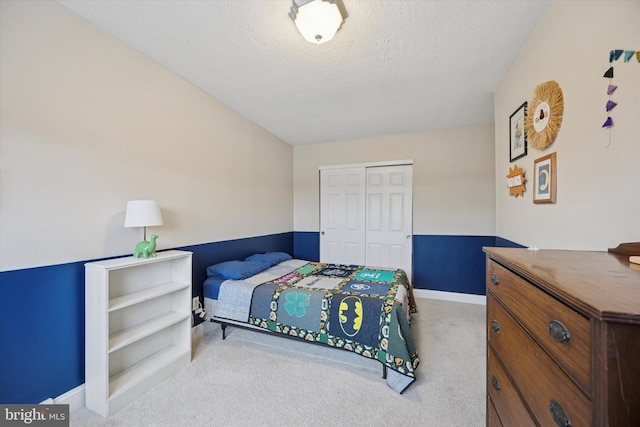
(544, 179)
(517, 135)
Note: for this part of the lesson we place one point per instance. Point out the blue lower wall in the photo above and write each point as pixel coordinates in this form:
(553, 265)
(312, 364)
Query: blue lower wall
(41, 332)
(42, 309)
(42, 318)
(442, 263)
(306, 245)
(208, 254)
(452, 263)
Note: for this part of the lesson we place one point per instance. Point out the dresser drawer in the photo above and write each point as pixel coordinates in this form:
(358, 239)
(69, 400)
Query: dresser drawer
(492, 415)
(504, 395)
(548, 391)
(563, 332)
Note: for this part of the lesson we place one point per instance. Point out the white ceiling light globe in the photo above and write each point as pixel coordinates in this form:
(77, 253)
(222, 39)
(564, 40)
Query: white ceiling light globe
(318, 21)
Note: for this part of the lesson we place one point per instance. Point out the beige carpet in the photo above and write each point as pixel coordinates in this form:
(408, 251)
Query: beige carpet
(255, 379)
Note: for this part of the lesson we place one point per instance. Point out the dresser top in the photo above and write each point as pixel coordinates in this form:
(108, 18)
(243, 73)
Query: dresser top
(598, 284)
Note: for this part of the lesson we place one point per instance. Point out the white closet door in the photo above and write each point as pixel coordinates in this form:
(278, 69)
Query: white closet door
(389, 217)
(342, 216)
(366, 216)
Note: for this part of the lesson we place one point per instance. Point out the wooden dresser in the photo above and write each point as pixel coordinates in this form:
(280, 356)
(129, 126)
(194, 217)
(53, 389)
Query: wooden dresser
(563, 338)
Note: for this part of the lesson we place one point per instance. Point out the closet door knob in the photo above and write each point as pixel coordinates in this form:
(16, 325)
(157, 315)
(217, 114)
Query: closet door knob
(322, 233)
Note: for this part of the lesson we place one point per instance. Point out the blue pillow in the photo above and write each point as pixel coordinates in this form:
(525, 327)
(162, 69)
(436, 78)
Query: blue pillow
(272, 258)
(236, 270)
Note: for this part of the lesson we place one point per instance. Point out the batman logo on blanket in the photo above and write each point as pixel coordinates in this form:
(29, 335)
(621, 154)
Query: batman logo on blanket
(350, 318)
(350, 315)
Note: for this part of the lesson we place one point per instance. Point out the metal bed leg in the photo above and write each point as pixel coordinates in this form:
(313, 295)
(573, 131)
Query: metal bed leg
(384, 372)
(224, 330)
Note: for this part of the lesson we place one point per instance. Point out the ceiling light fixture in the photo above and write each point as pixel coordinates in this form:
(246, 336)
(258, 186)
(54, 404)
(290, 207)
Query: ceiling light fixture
(318, 20)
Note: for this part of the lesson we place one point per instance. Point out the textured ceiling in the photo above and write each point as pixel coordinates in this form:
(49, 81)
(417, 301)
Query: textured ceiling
(395, 66)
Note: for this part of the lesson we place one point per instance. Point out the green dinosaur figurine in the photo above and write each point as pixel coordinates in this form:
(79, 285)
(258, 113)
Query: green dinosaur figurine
(146, 249)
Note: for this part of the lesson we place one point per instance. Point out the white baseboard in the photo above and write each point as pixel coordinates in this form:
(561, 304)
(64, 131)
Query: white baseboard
(75, 398)
(450, 296)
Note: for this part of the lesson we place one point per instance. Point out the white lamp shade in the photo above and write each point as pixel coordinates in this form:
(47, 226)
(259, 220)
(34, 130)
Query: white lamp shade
(318, 21)
(142, 213)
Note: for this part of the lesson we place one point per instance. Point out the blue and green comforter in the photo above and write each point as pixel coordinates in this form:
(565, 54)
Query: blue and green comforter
(356, 308)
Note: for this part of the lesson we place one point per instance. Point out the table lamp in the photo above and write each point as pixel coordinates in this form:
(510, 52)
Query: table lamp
(143, 213)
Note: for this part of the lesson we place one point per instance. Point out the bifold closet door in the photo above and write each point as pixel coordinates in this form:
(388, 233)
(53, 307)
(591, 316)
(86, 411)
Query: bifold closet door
(366, 216)
(389, 217)
(342, 216)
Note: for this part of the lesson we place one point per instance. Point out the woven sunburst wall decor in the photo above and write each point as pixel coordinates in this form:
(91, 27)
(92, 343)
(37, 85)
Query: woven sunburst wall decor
(546, 108)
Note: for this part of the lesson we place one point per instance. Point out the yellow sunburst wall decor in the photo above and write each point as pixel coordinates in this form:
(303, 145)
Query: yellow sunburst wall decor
(515, 181)
(545, 115)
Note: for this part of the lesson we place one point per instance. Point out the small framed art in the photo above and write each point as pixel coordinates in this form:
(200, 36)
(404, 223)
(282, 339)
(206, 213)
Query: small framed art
(517, 135)
(544, 179)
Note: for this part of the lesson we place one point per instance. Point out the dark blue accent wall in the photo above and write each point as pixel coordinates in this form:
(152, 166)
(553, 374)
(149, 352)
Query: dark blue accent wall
(42, 309)
(41, 332)
(42, 318)
(207, 254)
(452, 263)
(306, 245)
(504, 243)
(443, 263)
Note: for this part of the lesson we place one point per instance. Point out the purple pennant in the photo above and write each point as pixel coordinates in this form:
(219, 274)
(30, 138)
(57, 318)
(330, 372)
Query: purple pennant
(611, 89)
(608, 123)
(610, 105)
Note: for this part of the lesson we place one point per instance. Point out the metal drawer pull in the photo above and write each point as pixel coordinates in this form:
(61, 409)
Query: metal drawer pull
(494, 279)
(495, 383)
(558, 332)
(559, 416)
(495, 326)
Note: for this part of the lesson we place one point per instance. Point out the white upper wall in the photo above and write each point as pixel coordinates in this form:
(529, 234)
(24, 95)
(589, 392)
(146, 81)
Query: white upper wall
(598, 193)
(453, 177)
(87, 123)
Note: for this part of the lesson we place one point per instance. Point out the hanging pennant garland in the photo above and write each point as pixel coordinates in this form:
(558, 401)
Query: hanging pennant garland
(614, 55)
(610, 89)
(627, 55)
(543, 124)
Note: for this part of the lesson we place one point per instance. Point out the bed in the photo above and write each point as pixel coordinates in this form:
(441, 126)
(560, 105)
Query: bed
(360, 309)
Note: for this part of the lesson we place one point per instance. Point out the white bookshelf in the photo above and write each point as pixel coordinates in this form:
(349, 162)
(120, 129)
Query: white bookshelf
(137, 328)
